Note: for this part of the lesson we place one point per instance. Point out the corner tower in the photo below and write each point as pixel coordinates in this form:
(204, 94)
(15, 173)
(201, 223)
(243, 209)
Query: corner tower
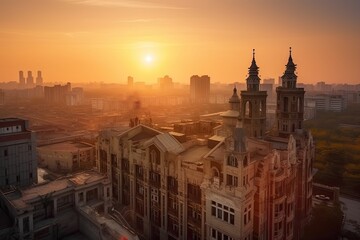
(253, 104)
(290, 102)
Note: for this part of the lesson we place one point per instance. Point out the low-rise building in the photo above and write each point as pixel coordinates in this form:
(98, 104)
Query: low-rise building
(67, 156)
(18, 160)
(53, 210)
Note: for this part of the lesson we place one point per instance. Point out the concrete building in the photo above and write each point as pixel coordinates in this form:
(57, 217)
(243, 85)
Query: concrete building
(30, 79)
(67, 157)
(39, 79)
(18, 162)
(56, 209)
(165, 83)
(234, 185)
(327, 102)
(199, 89)
(57, 94)
(130, 81)
(75, 97)
(21, 78)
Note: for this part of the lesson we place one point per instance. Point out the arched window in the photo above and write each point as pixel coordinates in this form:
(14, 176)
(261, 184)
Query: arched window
(286, 104)
(154, 157)
(232, 161)
(248, 109)
(298, 105)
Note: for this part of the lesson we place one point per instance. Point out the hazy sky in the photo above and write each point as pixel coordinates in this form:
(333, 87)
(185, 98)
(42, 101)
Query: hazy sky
(107, 40)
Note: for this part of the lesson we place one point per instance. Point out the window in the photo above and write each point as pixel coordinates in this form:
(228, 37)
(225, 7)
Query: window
(154, 195)
(245, 162)
(231, 180)
(5, 152)
(81, 196)
(289, 228)
(247, 214)
(232, 161)
(223, 212)
(286, 104)
(215, 234)
(245, 180)
(154, 156)
(278, 209)
(278, 228)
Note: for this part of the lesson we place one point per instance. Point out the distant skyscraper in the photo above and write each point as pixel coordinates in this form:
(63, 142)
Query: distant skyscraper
(199, 89)
(17, 153)
(57, 94)
(21, 78)
(130, 81)
(30, 79)
(165, 82)
(39, 79)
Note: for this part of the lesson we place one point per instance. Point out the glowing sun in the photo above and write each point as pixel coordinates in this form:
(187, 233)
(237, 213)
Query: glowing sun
(149, 58)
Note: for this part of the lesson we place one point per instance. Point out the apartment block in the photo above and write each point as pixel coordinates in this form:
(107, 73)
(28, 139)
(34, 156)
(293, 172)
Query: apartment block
(18, 162)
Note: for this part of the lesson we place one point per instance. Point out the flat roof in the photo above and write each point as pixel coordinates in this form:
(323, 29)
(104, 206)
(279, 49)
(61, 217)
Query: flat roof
(21, 197)
(10, 119)
(194, 154)
(66, 146)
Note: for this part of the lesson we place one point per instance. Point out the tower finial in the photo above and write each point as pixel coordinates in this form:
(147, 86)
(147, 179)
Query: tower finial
(290, 51)
(253, 53)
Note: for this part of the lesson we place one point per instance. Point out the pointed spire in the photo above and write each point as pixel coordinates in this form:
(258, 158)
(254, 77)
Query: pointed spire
(234, 98)
(253, 69)
(289, 74)
(253, 79)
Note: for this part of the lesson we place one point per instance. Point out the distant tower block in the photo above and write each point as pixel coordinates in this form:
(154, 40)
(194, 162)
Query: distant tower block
(30, 79)
(130, 81)
(39, 79)
(21, 78)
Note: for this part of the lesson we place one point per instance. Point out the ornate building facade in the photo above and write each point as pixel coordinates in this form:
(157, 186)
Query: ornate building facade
(253, 184)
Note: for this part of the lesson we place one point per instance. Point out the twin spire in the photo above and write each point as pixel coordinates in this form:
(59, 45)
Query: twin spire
(289, 78)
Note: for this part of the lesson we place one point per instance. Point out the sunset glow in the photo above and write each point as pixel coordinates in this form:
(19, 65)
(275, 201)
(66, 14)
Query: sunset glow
(86, 41)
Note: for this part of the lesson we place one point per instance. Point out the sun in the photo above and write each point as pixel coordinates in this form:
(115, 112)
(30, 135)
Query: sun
(149, 58)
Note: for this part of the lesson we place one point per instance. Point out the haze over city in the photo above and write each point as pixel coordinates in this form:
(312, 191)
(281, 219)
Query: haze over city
(107, 40)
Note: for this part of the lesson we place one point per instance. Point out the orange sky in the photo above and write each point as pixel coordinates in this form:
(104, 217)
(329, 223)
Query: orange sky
(107, 40)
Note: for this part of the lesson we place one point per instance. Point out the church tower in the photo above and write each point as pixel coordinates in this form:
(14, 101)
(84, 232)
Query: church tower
(290, 102)
(253, 104)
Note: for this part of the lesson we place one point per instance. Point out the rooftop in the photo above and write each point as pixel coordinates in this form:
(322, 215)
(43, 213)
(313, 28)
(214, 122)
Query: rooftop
(194, 154)
(66, 146)
(20, 197)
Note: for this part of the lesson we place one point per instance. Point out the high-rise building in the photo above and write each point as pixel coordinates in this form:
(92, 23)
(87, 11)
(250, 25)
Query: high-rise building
(199, 89)
(130, 81)
(235, 186)
(57, 94)
(165, 82)
(30, 79)
(39, 79)
(21, 78)
(253, 103)
(17, 153)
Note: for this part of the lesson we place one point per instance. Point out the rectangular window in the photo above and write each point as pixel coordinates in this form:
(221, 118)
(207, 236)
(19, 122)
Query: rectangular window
(231, 180)
(247, 214)
(217, 235)
(222, 212)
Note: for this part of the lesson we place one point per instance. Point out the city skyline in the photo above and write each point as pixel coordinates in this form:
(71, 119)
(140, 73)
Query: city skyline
(106, 40)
